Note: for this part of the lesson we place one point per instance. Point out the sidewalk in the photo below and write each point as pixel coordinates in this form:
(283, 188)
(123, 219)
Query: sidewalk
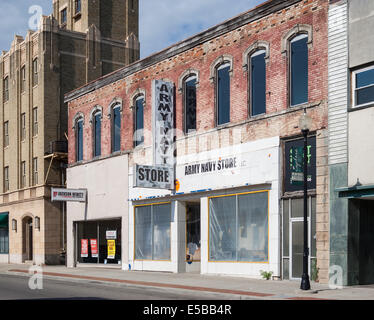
(226, 286)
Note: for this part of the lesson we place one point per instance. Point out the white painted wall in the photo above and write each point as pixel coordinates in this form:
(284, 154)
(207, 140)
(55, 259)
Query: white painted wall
(361, 147)
(107, 184)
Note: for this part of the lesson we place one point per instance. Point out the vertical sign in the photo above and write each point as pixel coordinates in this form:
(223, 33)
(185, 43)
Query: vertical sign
(163, 122)
(111, 249)
(94, 252)
(84, 248)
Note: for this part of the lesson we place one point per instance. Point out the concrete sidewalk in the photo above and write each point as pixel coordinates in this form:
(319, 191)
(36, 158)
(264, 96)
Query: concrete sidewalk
(226, 286)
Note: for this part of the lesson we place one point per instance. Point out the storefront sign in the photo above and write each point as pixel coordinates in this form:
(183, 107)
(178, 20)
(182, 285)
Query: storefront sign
(111, 234)
(294, 171)
(94, 252)
(163, 118)
(211, 166)
(84, 248)
(154, 177)
(111, 249)
(78, 195)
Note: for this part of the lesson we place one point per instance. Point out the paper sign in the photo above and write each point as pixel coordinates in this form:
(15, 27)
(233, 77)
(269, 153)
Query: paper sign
(84, 248)
(94, 252)
(111, 249)
(111, 234)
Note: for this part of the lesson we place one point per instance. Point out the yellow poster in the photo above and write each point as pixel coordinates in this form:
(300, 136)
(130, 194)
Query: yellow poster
(111, 249)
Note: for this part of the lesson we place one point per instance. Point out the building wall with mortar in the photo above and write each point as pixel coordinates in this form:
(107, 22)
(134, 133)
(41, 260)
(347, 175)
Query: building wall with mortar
(279, 120)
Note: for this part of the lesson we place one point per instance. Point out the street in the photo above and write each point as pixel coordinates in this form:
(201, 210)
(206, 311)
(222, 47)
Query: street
(16, 288)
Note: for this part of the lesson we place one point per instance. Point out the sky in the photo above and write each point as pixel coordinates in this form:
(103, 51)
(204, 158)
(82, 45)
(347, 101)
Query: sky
(162, 22)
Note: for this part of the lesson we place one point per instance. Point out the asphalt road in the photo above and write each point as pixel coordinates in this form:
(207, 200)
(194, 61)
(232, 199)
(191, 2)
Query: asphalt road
(14, 287)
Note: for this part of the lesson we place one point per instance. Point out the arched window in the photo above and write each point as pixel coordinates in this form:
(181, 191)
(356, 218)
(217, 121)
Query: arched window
(223, 93)
(189, 100)
(116, 127)
(257, 80)
(96, 131)
(78, 124)
(298, 62)
(139, 120)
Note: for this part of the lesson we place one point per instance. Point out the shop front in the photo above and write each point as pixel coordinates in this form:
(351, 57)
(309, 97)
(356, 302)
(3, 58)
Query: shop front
(223, 218)
(4, 237)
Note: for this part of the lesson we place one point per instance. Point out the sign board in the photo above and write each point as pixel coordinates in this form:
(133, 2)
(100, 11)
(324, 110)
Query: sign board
(84, 248)
(111, 249)
(163, 122)
(111, 234)
(77, 195)
(94, 252)
(294, 168)
(156, 177)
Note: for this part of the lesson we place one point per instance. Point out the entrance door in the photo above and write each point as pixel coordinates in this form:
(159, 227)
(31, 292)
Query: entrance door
(27, 234)
(297, 248)
(193, 237)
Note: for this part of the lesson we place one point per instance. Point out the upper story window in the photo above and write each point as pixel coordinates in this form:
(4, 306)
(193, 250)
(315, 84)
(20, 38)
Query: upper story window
(6, 89)
(6, 179)
(35, 72)
(23, 126)
(97, 134)
(257, 83)
(23, 174)
(23, 79)
(189, 89)
(299, 70)
(34, 171)
(64, 16)
(6, 134)
(116, 128)
(363, 87)
(223, 93)
(35, 122)
(139, 120)
(78, 6)
(79, 139)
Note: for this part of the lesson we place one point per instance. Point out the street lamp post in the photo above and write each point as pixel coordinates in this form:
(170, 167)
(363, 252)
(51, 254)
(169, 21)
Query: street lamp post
(304, 125)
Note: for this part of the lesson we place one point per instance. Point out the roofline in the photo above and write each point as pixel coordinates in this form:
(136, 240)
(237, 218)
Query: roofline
(256, 13)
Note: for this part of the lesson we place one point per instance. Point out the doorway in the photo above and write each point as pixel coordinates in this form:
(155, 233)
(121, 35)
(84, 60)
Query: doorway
(27, 239)
(193, 237)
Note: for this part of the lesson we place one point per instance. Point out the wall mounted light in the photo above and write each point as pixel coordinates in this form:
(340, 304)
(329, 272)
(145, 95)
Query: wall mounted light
(14, 224)
(37, 223)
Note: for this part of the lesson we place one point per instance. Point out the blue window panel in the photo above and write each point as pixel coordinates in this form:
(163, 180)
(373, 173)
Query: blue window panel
(97, 135)
(258, 84)
(365, 95)
(223, 95)
(139, 121)
(79, 148)
(190, 116)
(116, 129)
(365, 78)
(299, 71)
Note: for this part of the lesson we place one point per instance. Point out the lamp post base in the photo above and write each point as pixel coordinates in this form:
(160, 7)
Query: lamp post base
(305, 283)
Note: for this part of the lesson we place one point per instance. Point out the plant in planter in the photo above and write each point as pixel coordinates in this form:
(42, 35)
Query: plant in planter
(315, 270)
(266, 274)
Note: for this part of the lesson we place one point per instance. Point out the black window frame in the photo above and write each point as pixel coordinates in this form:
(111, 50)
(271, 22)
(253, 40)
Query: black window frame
(79, 142)
(224, 65)
(187, 79)
(96, 144)
(135, 134)
(260, 51)
(115, 107)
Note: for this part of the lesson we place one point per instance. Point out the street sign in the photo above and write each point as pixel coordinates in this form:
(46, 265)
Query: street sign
(155, 177)
(76, 195)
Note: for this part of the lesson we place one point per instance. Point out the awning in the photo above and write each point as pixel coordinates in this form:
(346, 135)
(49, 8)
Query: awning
(356, 192)
(4, 220)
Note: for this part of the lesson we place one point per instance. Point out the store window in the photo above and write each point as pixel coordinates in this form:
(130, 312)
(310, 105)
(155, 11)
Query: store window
(190, 103)
(258, 83)
(4, 233)
(152, 232)
(99, 241)
(238, 227)
(363, 86)
(299, 69)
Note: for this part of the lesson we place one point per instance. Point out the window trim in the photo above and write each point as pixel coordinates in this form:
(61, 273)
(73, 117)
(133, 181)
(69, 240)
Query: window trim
(135, 98)
(236, 200)
(354, 89)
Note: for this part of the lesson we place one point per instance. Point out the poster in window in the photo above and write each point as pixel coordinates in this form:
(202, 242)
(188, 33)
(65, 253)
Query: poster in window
(84, 248)
(111, 249)
(94, 252)
(294, 155)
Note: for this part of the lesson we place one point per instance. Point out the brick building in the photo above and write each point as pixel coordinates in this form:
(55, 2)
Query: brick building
(239, 90)
(76, 44)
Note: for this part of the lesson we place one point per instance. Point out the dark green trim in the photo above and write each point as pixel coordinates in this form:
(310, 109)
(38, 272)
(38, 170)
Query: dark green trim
(356, 192)
(4, 220)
